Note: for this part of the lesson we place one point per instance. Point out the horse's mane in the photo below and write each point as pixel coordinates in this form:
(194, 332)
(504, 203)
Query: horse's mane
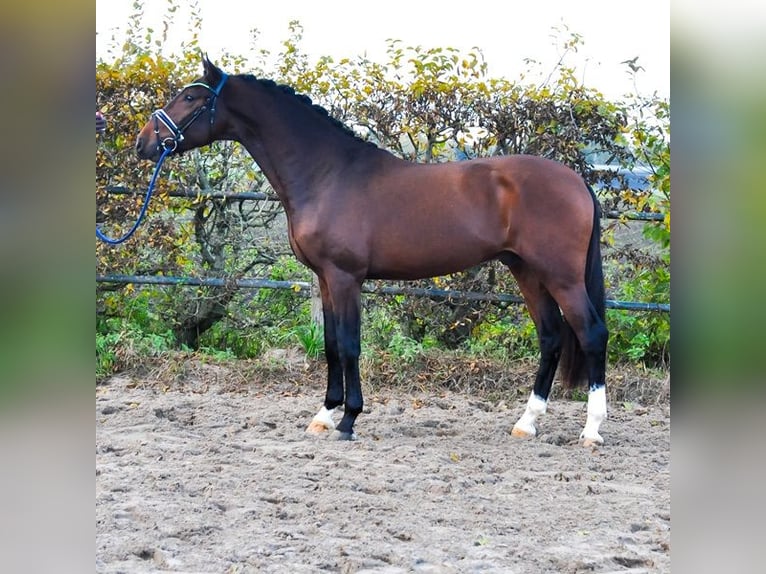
(306, 101)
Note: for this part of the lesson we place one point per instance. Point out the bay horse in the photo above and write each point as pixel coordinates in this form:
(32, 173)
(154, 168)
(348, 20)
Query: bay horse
(357, 212)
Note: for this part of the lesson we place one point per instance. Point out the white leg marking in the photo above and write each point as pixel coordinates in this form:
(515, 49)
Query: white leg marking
(596, 415)
(525, 426)
(321, 422)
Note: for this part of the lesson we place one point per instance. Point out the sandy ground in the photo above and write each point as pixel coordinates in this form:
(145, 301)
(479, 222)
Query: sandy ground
(210, 476)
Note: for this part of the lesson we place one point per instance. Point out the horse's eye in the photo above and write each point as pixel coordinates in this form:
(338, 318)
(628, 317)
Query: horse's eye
(189, 97)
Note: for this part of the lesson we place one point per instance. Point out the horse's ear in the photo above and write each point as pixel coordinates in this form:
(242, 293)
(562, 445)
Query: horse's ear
(211, 72)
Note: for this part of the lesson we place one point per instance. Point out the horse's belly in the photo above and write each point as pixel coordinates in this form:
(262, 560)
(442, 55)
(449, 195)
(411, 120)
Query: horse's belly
(418, 261)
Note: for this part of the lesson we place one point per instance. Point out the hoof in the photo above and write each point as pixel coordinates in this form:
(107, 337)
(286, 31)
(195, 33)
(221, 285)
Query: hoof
(520, 433)
(591, 442)
(317, 427)
(339, 435)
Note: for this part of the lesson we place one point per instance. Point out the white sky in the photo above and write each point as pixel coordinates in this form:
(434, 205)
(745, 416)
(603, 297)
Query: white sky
(507, 32)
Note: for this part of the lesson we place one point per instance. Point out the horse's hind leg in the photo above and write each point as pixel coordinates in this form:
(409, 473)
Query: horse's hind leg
(549, 337)
(592, 335)
(596, 336)
(547, 318)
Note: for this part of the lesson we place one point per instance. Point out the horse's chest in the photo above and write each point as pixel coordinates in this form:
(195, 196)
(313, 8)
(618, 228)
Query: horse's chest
(293, 236)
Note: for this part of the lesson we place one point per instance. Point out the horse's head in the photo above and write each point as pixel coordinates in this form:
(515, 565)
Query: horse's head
(189, 120)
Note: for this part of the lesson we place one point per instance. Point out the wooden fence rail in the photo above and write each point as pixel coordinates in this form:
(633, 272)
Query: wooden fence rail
(303, 288)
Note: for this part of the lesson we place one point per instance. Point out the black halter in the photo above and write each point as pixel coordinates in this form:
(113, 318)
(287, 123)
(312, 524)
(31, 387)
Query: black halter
(170, 143)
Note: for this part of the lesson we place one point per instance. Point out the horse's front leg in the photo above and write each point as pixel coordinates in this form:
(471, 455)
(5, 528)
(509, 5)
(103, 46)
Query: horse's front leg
(341, 304)
(323, 421)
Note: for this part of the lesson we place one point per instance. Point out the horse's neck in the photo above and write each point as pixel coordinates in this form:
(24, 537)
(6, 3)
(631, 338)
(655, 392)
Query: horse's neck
(295, 146)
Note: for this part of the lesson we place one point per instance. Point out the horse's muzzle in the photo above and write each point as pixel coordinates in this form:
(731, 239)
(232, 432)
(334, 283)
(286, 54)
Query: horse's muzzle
(144, 151)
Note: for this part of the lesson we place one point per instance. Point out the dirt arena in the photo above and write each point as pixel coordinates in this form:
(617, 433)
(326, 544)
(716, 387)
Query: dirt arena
(212, 472)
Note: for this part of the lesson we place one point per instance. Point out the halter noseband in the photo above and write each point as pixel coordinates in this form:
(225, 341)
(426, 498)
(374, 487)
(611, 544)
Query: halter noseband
(171, 143)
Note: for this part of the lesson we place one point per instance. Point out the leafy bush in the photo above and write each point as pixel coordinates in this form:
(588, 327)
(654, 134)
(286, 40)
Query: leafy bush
(426, 104)
(121, 344)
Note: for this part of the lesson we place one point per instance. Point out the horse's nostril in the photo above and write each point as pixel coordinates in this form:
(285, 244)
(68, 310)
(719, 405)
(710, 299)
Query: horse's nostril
(139, 146)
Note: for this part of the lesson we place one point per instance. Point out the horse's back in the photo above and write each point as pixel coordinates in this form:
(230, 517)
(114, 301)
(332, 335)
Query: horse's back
(433, 219)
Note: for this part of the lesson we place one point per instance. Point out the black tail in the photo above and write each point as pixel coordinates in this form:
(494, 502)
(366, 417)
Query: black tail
(573, 366)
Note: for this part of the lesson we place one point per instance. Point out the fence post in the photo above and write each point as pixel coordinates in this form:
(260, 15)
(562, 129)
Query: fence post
(316, 302)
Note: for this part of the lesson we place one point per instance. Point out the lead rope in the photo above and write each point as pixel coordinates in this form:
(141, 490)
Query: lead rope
(168, 146)
(142, 213)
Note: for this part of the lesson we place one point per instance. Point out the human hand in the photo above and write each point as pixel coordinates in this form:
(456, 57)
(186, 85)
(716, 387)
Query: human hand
(100, 123)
